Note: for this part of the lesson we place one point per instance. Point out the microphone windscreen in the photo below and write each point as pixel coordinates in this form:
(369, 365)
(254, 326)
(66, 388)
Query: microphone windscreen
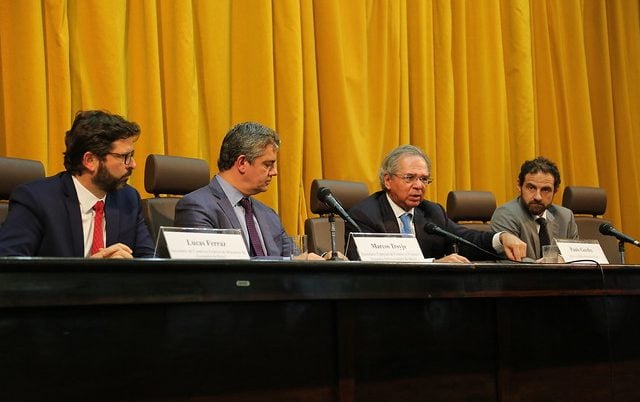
(431, 228)
(605, 228)
(323, 193)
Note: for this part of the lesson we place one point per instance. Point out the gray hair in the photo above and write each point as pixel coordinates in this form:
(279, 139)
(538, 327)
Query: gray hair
(249, 139)
(390, 162)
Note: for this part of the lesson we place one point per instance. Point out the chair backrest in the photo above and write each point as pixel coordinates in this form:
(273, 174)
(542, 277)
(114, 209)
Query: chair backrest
(587, 204)
(173, 176)
(13, 172)
(472, 209)
(318, 230)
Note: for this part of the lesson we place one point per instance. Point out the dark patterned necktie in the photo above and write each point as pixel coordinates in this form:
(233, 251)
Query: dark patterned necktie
(543, 234)
(254, 237)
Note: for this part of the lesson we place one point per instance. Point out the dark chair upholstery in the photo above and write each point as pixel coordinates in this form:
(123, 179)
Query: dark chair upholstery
(171, 176)
(472, 209)
(15, 171)
(588, 204)
(318, 230)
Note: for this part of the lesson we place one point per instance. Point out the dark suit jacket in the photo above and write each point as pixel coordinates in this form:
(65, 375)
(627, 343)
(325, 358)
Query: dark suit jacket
(374, 215)
(209, 207)
(44, 220)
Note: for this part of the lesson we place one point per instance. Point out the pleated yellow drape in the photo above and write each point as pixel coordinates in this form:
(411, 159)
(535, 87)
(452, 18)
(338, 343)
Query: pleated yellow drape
(480, 85)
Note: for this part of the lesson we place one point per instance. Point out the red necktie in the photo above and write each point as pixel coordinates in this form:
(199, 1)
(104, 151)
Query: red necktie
(98, 237)
(254, 237)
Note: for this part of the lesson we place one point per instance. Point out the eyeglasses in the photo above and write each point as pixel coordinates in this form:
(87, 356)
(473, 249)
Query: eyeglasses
(126, 158)
(411, 178)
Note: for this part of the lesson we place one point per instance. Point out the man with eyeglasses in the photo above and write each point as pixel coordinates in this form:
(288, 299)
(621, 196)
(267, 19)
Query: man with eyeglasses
(87, 210)
(401, 208)
(532, 216)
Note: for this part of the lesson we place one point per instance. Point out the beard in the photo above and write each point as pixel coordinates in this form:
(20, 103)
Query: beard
(108, 182)
(534, 207)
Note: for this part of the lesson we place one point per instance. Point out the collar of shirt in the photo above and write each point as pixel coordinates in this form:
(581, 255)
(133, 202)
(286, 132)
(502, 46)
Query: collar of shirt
(233, 195)
(397, 210)
(543, 215)
(85, 197)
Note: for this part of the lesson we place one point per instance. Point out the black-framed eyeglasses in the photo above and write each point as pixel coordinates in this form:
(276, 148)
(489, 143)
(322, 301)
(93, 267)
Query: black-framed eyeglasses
(126, 158)
(411, 178)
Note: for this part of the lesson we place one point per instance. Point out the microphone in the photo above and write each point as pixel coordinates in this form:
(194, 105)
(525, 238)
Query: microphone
(609, 230)
(434, 229)
(324, 195)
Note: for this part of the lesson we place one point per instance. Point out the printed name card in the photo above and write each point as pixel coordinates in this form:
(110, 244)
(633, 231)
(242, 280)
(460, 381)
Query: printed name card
(197, 243)
(387, 247)
(574, 250)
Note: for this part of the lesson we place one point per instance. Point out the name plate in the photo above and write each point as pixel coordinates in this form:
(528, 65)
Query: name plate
(578, 250)
(387, 247)
(200, 243)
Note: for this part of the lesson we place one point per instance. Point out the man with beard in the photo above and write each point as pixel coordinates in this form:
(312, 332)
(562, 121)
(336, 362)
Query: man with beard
(246, 166)
(87, 210)
(400, 207)
(532, 216)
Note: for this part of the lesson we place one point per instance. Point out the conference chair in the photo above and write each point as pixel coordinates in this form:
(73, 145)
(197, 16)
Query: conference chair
(13, 172)
(472, 209)
(318, 230)
(172, 176)
(588, 205)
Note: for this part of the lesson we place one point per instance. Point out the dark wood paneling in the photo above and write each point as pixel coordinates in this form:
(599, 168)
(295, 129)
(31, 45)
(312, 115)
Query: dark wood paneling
(79, 330)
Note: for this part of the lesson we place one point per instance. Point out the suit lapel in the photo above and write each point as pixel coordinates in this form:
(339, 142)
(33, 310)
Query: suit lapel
(265, 229)
(73, 219)
(112, 218)
(420, 218)
(224, 204)
(552, 225)
(389, 219)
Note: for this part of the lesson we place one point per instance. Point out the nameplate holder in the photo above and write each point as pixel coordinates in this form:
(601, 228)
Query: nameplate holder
(398, 247)
(575, 250)
(201, 243)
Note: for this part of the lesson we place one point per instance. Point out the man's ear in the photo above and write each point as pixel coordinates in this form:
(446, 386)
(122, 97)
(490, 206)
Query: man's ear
(90, 162)
(241, 163)
(386, 179)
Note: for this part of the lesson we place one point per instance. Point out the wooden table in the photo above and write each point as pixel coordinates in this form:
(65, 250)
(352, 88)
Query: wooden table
(171, 330)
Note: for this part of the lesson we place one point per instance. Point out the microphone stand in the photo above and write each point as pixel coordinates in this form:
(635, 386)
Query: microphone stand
(332, 229)
(621, 250)
(455, 248)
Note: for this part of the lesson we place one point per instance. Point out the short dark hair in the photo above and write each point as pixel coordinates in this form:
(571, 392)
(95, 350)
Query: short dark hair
(248, 139)
(540, 165)
(94, 131)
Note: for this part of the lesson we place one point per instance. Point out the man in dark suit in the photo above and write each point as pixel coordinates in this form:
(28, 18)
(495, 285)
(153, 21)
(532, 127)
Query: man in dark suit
(400, 207)
(246, 164)
(88, 210)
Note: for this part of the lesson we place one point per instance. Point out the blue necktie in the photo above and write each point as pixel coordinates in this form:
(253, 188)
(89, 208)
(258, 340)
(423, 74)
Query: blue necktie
(406, 223)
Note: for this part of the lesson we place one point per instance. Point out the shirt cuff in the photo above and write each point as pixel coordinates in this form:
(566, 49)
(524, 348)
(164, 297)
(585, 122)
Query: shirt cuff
(497, 245)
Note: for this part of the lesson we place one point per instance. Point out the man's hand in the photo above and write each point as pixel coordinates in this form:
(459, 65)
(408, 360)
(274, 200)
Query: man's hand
(117, 250)
(307, 256)
(514, 248)
(457, 258)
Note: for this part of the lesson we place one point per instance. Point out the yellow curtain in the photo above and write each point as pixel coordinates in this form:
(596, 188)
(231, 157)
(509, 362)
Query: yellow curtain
(480, 85)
